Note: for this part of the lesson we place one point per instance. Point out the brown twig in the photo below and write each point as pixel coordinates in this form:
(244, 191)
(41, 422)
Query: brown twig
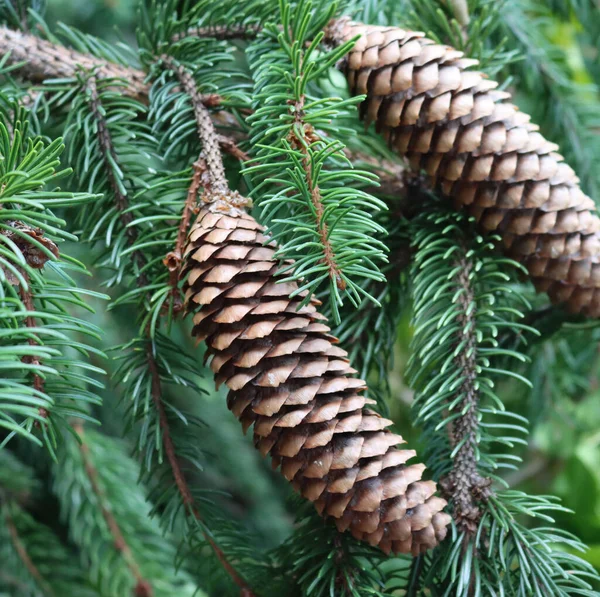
(143, 588)
(24, 556)
(464, 486)
(221, 32)
(109, 156)
(308, 137)
(216, 181)
(179, 477)
(173, 259)
(37, 60)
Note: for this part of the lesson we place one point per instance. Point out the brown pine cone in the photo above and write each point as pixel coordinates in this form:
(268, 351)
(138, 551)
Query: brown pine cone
(287, 377)
(481, 151)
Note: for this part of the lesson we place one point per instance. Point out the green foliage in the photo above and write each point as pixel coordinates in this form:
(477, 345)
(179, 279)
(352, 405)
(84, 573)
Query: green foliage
(186, 492)
(302, 181)
(95, 481)
(44, 351)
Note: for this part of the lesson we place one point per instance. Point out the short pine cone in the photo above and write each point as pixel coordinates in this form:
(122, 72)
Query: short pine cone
(482, 151)
(287, 377)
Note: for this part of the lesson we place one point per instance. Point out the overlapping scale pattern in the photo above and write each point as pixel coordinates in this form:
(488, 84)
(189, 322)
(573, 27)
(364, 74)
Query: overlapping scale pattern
(289, 380)
(455, 124)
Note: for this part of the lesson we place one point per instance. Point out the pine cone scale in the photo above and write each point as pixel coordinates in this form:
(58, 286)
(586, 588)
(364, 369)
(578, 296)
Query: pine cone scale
(288, 380)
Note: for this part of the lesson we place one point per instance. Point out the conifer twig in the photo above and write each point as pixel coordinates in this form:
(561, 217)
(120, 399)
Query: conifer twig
(143, 588)
(180, 480)
(302, 135)
(173, 258)
(221, 32)
(215, 179)
(37, 60)
(464, 486)
(24, 556)
(109, 155)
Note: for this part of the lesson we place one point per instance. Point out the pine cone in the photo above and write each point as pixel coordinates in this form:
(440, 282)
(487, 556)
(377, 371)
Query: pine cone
(286, 376)
(481, 151)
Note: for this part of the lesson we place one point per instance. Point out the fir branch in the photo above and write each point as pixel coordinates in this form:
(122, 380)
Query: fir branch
(27, 299)
(24, 555)
(143, 587)
(314, 204)
(180, 480)
(302, 136)
(37, 60)
(221, 32)
(216, 182)
(110, 161)
(465, 487)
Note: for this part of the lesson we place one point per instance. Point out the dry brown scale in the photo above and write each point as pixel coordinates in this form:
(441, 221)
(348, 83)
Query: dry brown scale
(453, 123)
(287, 377)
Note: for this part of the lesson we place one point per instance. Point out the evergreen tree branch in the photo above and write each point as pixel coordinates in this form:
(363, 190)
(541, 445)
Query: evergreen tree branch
(143, 588)
(109, 157)
(464, 486)
(24, 555)
(302, 136)
(38, 59)
(221, 32)
(180, 480)
(216, 181)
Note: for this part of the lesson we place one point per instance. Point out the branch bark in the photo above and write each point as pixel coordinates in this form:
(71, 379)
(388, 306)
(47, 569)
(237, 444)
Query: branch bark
(464, 486)
(37, 60)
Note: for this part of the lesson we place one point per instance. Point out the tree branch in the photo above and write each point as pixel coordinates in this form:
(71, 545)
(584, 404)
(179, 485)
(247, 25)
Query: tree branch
(37, 60)
(143, 588)
(301, 142)
(464, 486)
(221, 32)
(178, 475)
(24, 556)
(109, 156)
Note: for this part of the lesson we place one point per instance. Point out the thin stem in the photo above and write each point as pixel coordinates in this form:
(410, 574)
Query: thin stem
(221, 32)
(302, 135)
(216, 181)
(24, 556)
(143, 587)
(27, 300)
(179, 477)
(465, 487)
(109, 157)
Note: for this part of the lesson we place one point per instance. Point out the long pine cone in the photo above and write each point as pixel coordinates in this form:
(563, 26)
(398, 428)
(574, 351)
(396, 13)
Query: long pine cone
(481, 151)
(287, 377)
